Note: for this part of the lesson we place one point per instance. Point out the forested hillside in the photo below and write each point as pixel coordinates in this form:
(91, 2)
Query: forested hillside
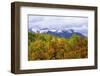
(43, 46)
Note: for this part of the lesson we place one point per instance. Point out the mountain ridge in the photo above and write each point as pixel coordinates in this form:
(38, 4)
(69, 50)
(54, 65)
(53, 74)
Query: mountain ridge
(62, 33)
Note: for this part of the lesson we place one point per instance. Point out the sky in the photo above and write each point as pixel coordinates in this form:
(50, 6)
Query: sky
(78, 24)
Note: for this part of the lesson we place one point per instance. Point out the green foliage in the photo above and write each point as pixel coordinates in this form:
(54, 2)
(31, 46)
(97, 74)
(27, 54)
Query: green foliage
(49, 47)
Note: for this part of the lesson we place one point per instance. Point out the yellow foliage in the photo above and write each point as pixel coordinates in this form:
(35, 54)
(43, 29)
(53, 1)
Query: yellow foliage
(49, 47)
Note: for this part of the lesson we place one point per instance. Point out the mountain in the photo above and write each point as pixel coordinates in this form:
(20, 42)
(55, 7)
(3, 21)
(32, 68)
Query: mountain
(65, 33)
(62, 33)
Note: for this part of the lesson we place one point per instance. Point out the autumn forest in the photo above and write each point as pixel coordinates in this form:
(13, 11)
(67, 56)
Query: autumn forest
(43, 46)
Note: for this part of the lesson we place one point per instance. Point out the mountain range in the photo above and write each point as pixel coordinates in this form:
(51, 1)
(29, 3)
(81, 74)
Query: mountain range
(62, 33)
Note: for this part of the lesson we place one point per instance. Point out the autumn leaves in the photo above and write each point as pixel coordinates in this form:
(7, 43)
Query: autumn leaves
(49, 47)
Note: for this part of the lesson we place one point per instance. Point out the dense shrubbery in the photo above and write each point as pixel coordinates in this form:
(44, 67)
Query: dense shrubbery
(48, 47)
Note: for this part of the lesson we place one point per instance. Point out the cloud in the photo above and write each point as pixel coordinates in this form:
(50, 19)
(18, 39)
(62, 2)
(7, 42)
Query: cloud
(54, 22)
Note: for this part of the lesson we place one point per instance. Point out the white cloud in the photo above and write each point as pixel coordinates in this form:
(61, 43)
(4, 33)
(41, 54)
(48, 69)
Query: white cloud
(58, 23)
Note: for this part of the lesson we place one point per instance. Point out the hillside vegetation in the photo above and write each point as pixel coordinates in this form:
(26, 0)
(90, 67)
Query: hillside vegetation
(49, 47)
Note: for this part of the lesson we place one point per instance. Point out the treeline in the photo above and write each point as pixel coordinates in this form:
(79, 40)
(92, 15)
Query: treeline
(49, 47)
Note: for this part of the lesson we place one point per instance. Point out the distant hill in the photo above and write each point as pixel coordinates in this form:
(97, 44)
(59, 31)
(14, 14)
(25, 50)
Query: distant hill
(61, 33)
(65, 34)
